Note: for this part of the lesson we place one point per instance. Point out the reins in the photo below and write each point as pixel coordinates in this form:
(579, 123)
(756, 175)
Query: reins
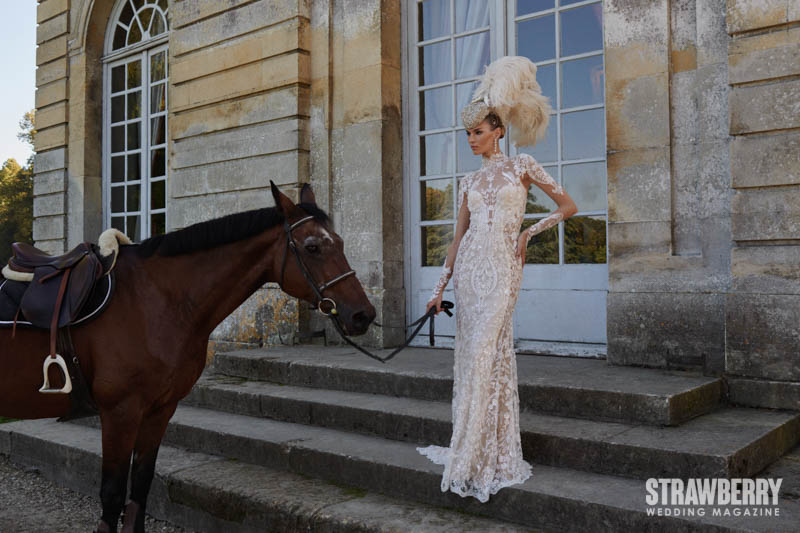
(333, 313)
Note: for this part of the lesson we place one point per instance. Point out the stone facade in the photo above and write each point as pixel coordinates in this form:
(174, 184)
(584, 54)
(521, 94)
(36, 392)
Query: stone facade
(703, 130)
(704, 218)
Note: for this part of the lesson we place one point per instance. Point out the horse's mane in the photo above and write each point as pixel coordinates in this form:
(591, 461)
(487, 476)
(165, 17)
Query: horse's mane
(219, 231)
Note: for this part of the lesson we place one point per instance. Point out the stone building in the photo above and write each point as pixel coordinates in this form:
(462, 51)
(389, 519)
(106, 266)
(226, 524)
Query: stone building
(675, 128)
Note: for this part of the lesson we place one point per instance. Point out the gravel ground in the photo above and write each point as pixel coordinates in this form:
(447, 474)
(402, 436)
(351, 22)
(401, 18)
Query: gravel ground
(29, 502)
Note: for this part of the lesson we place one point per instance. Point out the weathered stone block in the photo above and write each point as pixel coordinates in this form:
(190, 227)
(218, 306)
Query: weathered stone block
(190, 210)
(639, 185)
(48, 205)
(641, 238)
(667, 330)
(764, 214)
(637, 113)
(228, 24)
(764, 393)
(765, 56)
(50, 138)
(636, 22)
(51, 50)
(52, 71)
(765, 269)
(712, 39)
(765, 160)
(51, 160)
(763, 334)
(712, 185)
(48, 228)
(765, 107)
(49, 182)
(51, 116)
(51, 93)
(357, 152)
(743, 15)
(255, 77)
(288, 36)
(712, 102)
(683, 107)
(52, 28)
(49, 9)
(52, 247)
(247, 141)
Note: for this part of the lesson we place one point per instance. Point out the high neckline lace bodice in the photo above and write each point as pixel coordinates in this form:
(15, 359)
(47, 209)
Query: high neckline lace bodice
(493, 159)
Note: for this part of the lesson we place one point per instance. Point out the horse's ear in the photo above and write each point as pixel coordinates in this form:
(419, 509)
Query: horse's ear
(307, 195)
(282, 202)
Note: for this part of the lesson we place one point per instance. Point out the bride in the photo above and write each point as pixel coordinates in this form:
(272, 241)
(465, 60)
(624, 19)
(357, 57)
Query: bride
(486, 259)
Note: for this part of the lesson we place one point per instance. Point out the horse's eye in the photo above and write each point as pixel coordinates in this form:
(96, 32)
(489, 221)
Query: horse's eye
(312, 248)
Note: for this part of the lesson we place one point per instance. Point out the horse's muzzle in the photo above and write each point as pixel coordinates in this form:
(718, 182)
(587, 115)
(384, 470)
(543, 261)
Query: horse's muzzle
(358, 322)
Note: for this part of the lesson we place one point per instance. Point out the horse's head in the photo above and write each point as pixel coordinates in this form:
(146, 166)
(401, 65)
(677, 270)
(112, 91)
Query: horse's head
(321, 252)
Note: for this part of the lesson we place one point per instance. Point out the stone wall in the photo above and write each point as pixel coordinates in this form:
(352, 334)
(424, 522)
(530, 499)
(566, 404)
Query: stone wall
(763, 305)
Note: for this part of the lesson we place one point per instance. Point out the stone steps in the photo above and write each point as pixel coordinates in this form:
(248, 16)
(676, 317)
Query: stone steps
(208, 493)
(728, 442)
(236, 482)
(563, 386)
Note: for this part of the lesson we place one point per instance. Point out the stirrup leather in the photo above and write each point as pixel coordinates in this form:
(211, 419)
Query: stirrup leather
(58, 360)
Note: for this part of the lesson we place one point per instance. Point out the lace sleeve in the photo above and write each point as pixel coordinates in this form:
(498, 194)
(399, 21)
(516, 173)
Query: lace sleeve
(526, 164)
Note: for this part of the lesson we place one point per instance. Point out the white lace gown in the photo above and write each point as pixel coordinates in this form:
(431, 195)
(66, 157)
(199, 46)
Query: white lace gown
(485, 453)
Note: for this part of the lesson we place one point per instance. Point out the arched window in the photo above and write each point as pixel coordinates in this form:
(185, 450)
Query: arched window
(136, 73)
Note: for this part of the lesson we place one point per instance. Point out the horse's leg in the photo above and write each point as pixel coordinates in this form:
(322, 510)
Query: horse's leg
(144, 466)
(120, 428)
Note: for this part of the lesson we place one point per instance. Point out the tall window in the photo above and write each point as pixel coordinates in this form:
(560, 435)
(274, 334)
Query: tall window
(453, 40)
(135, 118)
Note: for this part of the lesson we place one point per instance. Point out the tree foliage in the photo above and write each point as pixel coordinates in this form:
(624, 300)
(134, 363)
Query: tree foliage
(16, 195)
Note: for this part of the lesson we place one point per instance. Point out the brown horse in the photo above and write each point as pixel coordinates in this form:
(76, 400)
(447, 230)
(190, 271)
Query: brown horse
(148, 348)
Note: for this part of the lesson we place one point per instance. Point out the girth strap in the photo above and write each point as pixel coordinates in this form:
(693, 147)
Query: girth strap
(54, 323)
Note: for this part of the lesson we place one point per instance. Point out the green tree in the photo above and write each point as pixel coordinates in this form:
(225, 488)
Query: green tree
(16, 194)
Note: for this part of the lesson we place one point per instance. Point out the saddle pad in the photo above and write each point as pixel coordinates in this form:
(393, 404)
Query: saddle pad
(11, 293)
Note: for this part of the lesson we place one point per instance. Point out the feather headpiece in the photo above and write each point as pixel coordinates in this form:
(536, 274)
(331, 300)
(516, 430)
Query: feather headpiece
(510, 90)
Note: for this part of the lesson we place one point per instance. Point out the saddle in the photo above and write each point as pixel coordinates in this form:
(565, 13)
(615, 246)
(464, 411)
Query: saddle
(57, 289)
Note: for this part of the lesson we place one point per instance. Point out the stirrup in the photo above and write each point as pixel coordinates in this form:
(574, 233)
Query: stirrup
(49, 360)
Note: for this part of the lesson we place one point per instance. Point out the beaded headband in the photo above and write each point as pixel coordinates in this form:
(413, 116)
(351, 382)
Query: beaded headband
(474, 113)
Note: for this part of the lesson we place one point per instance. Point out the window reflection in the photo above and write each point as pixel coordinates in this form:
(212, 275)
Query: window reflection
(472, 55)
(436, 154)
(545, 150)
(538, 201)
(586, 184)
(582, 133)
(581, 30)
(434, 19)
(582, 81)
(435, 240)
(471, 14)
(585, 240)
(525, 7)
(536, 38)
(543, 247)
(434, 64)
(436, 111)
(437, 199)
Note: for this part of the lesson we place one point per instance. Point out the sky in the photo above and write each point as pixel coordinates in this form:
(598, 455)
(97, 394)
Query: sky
(18, 79)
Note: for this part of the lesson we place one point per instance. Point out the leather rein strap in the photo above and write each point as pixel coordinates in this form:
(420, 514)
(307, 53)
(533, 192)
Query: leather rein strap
(333, 314)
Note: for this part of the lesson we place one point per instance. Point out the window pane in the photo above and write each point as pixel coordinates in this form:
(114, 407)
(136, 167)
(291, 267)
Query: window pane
(163, 4)
(586, 184)
(157, 70)
(134, 104)
(467, 161)
(118, 108)
(144, 17)
(471, 14)
(158, 130)
(545, 150)
(118, 139)
(159, 26)
(117, 199)
(134, 74)
(134, 171)
(538, 201)
(434, 19)
(133, 136)
(581, 30)
(158, 194)
(158, 163)
(464, 93)
(118, 169)
(434, 63)
(138, 3)
(133, 198)
(134, 230)
(582, 81)
(134, 33)
(543, 247)
(436, 154)
(158, 98)
(583, 134)
(127, 14)
(436, 109)
(118, 79)
(546, 76)
(435, 240)
(472, 55)
(118, 223)
(158, 224)
(437, 199)
(585, 240)
(536, 38)
(532, 6)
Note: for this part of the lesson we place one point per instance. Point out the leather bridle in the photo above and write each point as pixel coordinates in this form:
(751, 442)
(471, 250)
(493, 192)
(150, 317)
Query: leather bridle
(333, 313)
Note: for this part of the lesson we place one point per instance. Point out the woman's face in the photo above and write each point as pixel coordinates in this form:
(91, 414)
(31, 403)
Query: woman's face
(481, 138)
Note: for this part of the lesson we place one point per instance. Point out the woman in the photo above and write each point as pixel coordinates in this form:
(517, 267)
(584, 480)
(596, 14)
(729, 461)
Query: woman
(486, 256)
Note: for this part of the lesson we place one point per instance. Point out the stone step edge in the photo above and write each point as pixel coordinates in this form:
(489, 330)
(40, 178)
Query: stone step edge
(208, 393)
(649, 409)
(210, 493)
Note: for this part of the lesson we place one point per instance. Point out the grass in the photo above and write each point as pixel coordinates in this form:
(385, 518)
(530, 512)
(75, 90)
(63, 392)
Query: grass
(3, 420)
